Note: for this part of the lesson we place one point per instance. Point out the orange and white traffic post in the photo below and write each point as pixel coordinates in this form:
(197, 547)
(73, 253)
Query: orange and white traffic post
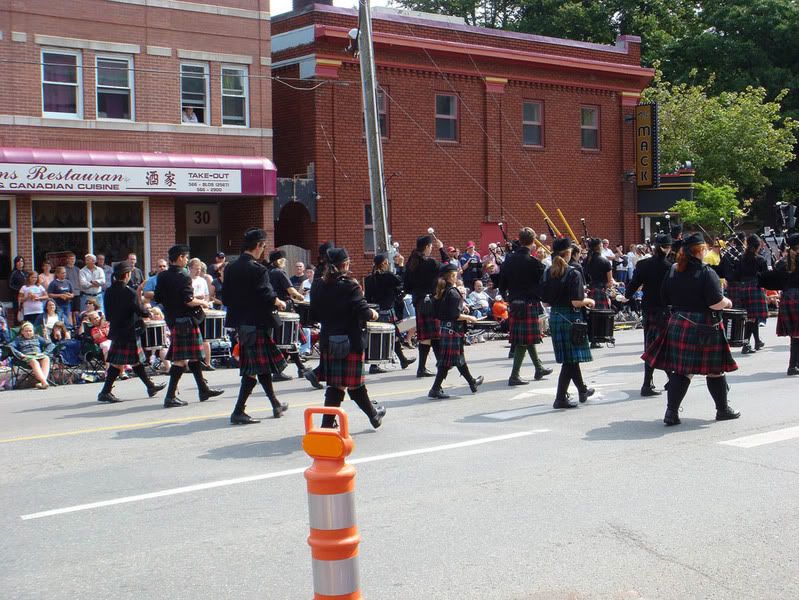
(334, 537)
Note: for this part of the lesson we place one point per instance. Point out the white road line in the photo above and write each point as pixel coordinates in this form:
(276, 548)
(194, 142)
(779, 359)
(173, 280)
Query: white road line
(761, 439)
(239, 480)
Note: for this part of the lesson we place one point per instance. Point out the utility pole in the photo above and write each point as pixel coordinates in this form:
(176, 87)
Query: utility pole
(372, 122)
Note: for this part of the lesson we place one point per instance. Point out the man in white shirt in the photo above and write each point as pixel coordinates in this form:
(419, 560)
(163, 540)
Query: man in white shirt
(478, 300)
(607, 251)
(107, 269)
(92, 280)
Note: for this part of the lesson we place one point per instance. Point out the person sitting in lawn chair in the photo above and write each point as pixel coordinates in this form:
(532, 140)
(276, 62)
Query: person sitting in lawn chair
(32, 349)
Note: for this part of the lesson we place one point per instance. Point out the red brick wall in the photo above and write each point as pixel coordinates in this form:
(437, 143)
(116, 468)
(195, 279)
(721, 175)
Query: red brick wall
(162, 228)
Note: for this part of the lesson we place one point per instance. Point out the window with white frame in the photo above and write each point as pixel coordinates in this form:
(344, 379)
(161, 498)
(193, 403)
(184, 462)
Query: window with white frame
(115, 87)
(62, 84)
(532, 123)
(194, 93)
(589, 127)
(382, 112)
(234, 96)
(446, 117)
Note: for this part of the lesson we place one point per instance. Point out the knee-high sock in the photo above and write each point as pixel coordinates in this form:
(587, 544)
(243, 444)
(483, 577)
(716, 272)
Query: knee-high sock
(360, 396)
(648, 374)
(747, 332)
(110, 377)
(424, 352)
(756, 331)
(247, 386)
(678, 387)
(175, 373)
(265, 379)
(196, 369)
(577, 377)
(434, 344)
(295, 358)
(441, 375)
(518, 359)
(564, 379)
(334, 398)
(141, 373)
(463, 369)
(398, 351)
(534, 357)
(794, 360)
(717, 386)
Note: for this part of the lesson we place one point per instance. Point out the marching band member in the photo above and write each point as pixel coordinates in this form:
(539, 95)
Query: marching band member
(520, 277)
(250, 301)
(449, 311)
(788, 318)
(338, 302)
(287, 293)
(650, 273)
(749, 295)
(316, 375)
(598, 271)
(693, 342)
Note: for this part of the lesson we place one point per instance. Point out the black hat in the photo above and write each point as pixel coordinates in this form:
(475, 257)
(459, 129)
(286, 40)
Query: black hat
(676, 229)
(379, 258)
(336, 256)
(121, 268)
(178, 250)
(594, 242)
(324, 248)
(446, 268)
(561, 244)
(793, 240)
(693, 240)
(423, 240)
(276, 255)
(254, 235)
(663, 239)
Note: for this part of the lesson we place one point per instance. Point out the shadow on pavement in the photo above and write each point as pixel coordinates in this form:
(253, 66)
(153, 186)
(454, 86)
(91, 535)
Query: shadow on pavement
(132, 407)
(641, 430)
(174, 429)
(264, 448)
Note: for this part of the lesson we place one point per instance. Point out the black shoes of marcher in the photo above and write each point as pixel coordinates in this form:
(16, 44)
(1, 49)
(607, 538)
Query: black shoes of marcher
(650, 391)
(376, 370)
(541, 373)
(310, 375)
(282, 377)
(437, 393)
(595, 346)
(406, 362)
(210, 393)
(672, 417)
(107, 397)
(424, 373)
(242, 419)
(727, 414)
(377, 418)
(277, 411)
(517, 381)
(205, 367)
(173, 402)
(760, 345)
(476, 383)
(585, 394)
(329, 422)
(747, 349)
(564, 403)
(793, 371)
(153, 389)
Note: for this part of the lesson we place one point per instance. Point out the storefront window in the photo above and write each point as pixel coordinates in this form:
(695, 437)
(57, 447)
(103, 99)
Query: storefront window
(117, 245)
(52, 214)
(117, 214)
(54, 242)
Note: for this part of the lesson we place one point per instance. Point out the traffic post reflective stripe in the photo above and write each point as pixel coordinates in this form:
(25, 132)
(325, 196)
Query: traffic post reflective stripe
(334, 536)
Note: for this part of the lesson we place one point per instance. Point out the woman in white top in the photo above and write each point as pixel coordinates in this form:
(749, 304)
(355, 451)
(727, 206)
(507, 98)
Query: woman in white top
(49, 318)
(201, 291)
(632, 258)
(31, 299)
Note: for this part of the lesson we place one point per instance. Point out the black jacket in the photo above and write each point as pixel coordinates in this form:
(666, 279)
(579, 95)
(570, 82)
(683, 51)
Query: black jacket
(450, 306)
(123, 311)
(520, 276)
(383, 288)
(248, 293)
(341, 309)
(695, 290)
(280, 283)
(650, 273)
(173, 291)
(423, 279)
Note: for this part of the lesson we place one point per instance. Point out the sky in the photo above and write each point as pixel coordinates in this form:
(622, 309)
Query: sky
(281, 6)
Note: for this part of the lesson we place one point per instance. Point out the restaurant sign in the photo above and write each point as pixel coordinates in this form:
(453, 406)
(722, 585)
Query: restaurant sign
(110, 179)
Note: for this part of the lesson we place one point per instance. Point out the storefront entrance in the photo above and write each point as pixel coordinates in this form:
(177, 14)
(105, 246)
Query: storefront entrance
(203, 230)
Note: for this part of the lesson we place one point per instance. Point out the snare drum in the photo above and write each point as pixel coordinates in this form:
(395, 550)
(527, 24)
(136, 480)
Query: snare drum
(287, 336)
(734, 322)
(154, 335)
(379, 342)
(214, 325)
(600, 326)
(304, 310)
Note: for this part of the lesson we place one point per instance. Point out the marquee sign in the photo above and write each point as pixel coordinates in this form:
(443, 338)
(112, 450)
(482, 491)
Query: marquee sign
(647, 156)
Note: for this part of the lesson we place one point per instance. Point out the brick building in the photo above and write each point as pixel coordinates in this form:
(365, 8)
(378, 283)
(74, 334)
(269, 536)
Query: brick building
(98, 148)
(478, 125)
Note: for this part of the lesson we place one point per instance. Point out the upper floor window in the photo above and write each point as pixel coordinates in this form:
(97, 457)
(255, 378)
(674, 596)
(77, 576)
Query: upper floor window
(589, 127)
(234, 96)
(62, 93)
(115, 87)
(382, 112)
(532, 124)
(194, 93)
(446, 117)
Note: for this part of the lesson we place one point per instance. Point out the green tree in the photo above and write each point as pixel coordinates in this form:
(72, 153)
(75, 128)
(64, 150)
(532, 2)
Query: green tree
(711, 203)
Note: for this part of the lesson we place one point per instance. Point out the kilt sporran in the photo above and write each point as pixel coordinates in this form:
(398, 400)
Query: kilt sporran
(560, 328)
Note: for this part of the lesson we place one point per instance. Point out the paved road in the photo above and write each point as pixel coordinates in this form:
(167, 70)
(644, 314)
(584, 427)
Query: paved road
(523, 502)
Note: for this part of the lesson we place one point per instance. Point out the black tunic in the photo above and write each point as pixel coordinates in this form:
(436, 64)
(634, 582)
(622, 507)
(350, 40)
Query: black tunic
(422, 280)
(172, 291)
(791, 279)
(383, 288)
(596, 269)
(520, 276)
(694, 290)
(569, 287)
(280, 282)
(749, 267)
(450, 306)
(341, 308)
(650, 273)
(248, 294)
(123, 312)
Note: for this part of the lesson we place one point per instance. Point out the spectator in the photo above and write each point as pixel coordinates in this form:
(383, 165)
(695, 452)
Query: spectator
(219, 262)
(310, 272)
(31, 298)
(31, 348)
(99, 331)
(108, 271)
(452, 253)
(299, 275)
(201, 292)
(73, 276)
(607, 251)
(45, 275)
(136, 276)
(399, 265)
(188, 115)
(632, 258)
(49, 318)
(479, 301)
(92, 279)
(620, 264)
(18, 278)
(5, 336)
(217, 284)
(471, 265)
(60, 290)
(491, 290)
(148, 287)
(91, 306)
(59, 333)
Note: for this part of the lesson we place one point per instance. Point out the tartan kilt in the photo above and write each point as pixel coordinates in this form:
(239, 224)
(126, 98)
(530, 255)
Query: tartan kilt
(450, 349)
(560, 319)
(679, 349)
(599, 293)
(258, 354)
(343, 372)
(654, 324)
(752, 298)
(426, 327)
(126, 351)
(788, 317)
(186, 341)
(526, 330)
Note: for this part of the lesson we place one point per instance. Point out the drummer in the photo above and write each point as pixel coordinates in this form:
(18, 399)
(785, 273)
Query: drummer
(693, 342)
(749, 295)
(316, 375)
(599, 274)
(286, 292)
(788, 318)
(383, 288)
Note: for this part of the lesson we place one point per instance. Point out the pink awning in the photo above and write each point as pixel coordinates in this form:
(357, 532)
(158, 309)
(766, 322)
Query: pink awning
(85, 171)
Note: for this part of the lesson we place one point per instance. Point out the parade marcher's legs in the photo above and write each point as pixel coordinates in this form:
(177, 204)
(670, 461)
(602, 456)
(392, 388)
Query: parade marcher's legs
(278, 408)
(371, 409)
(239, 416)
(678, 387)
(717, 386)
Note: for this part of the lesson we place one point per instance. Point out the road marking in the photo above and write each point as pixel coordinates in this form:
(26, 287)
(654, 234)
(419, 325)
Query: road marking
(761, 439)
(263, 476)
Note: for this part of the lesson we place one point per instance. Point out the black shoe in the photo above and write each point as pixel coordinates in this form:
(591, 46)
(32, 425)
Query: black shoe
(747, 349)
(437, 394)
(585, 394)
(380, 412)
(107, 397)
(424, 373)
(541, 373)
(153, 389)
(793, 371)
(310, 375)
(564, 403)
(376, 369)
(242, 419)
(650, 391)
(760, 345)
(476, 383)
(173, 402)
(727, 414)
(517, 381)
(210, 393)
(594, 345)
(205, 367)
(282, 377)
(672, 417)
(406, 362)
(329, 422)
(277, 411)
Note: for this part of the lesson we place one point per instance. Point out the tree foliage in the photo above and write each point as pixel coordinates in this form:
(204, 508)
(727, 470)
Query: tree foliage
(711, 203)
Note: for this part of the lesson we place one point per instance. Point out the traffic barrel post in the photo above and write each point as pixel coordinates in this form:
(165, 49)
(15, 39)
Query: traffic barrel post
(334, 537)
